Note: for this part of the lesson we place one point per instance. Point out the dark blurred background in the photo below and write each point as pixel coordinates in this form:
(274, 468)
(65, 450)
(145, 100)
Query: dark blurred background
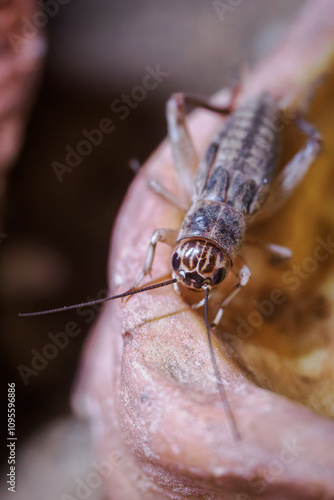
(58, 232)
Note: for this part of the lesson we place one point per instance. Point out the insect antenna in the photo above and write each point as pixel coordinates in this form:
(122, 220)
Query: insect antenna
(227, 407)
(98, 301)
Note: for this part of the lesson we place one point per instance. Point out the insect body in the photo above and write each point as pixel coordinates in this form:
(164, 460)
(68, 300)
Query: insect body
(234, 180)
(231, 184)
(234, 184)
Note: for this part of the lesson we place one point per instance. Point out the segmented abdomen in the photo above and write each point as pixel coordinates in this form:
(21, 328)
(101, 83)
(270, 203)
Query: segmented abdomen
(234, 177)
(243, 155)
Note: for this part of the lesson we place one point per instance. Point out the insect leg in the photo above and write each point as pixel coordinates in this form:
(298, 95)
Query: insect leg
(168, 236)
(168, 196)
(196, 101)
(277, 252)
(184, 153)
(293, 172)
(243, 275)
(199, 304)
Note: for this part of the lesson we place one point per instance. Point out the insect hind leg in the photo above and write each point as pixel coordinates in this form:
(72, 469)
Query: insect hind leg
(184, 153)
(278, 253)
(160, 190)
(294, 171)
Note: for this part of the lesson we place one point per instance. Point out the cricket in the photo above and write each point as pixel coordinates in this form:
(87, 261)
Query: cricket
(234, 186)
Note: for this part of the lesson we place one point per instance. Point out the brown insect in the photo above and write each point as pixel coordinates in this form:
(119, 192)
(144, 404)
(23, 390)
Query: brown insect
(234, 185)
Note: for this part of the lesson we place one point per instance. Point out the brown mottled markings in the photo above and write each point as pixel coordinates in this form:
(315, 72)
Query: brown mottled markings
(269, 124)
(266, 133)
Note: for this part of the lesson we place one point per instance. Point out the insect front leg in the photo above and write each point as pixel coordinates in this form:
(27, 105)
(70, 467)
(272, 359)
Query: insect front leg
(168, 236)
(199, 304)
(243, 275)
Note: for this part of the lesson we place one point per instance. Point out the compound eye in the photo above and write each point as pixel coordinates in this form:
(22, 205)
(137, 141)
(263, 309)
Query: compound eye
(176, 261)
(218, 275)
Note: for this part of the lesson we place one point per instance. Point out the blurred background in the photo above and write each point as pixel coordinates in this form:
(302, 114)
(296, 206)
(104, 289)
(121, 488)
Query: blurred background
(57, 218)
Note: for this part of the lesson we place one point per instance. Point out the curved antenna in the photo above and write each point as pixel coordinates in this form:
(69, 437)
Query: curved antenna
(221, 388)
(98, 301)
